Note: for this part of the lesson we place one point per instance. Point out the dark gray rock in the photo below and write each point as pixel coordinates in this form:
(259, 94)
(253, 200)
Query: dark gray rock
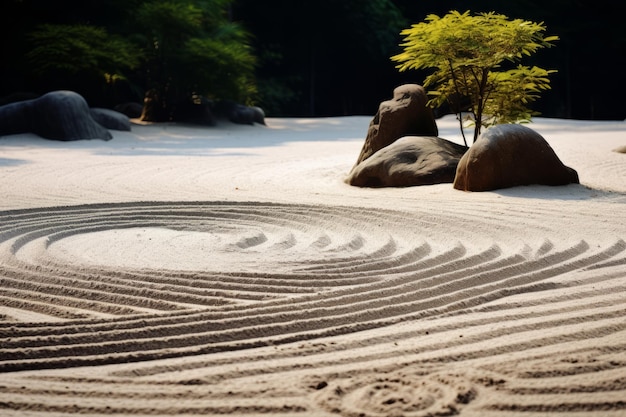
(409, 161)
(406, 114)
(110, 119)
(510, 155)
(130, 109)
(58, 115)
(239, 113)
(258, 115)
(246, 115)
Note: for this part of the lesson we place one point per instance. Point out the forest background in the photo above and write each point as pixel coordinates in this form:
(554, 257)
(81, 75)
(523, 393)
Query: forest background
(294, 58)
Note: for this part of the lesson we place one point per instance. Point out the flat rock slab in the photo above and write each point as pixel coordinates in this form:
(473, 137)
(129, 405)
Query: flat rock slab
(409, 161)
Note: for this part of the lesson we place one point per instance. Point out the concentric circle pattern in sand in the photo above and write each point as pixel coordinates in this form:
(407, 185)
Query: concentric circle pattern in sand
(251, 308)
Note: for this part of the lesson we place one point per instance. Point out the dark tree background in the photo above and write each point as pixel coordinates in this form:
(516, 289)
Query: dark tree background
(323, 57)
(342, 76)
(327, 57)
(18, 21)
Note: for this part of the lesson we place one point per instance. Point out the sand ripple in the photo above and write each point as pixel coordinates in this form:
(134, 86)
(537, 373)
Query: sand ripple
(253, 308)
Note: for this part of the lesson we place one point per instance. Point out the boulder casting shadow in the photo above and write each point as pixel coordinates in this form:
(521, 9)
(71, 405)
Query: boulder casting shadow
(402, 148)
(58, 115)
(409, 161)
(510, 155)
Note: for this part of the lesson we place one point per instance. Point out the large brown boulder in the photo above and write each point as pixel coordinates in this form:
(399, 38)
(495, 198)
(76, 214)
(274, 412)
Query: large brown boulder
(409, 161)
(404, 115)
(510, 155)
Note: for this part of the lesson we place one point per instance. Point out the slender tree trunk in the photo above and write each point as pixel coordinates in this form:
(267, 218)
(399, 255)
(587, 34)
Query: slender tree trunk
(482, 97)
(156, 106)
(459, 115)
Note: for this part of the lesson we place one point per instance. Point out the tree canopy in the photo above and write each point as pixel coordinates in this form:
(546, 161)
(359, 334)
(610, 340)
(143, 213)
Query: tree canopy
(191, 48)
(310, 57)
(170, 49)
(467, 53)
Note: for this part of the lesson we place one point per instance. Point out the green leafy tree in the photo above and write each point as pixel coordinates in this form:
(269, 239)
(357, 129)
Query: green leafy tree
(193, 49)
(61, 53)
(117, 50)
(467, 53)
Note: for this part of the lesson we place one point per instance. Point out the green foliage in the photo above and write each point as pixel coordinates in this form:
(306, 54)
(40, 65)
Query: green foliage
(192, 48)
(467, 53)
(79, 48)
(168, 23)
(515, 89)
(171, 49)
(220, 68)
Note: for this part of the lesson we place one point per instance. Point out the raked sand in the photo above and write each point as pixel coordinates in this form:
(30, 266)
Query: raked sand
(229, 270)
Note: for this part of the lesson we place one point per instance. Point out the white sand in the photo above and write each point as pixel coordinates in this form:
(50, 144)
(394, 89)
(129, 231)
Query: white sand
(230, 270)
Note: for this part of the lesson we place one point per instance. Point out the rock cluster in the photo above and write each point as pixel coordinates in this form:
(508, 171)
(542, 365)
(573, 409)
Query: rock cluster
(60, 115)
(402, 149)
(66, 116)
(202, 111)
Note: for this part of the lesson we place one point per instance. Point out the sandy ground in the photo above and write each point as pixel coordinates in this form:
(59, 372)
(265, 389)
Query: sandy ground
(230, 270)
